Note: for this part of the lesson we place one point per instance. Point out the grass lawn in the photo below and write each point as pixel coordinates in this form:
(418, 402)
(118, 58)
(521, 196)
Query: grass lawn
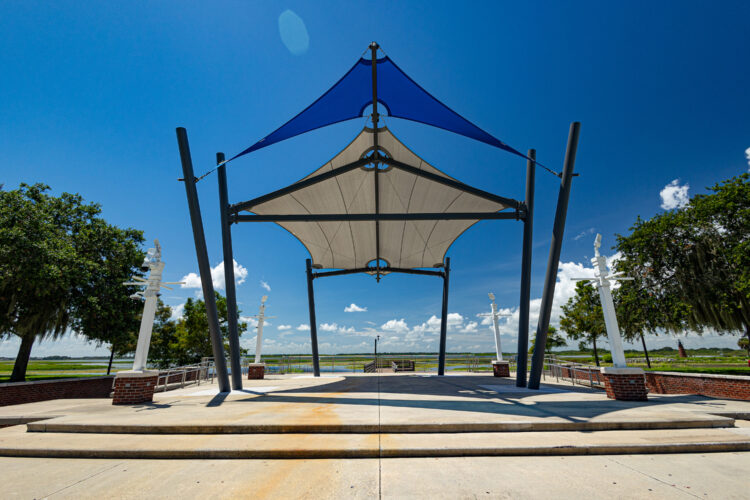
(7, 366)
(715, 370)
(29, 378)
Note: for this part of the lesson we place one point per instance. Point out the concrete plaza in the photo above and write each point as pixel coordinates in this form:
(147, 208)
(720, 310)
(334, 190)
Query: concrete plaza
(367, 436)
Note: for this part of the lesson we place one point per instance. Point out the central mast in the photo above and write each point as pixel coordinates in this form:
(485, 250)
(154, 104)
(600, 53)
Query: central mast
(375, 152)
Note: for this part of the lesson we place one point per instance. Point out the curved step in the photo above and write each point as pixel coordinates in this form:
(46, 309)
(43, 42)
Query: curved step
(15, 442)
(63, 426)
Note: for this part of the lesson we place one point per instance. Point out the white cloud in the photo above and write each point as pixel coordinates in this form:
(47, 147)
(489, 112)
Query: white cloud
(303, 327)
(329, 327)
(193, 280)
(584, 233)
(284, 327)
(470, 327)
(674, 195)
(747, 155)
(177, 311)
(395, 325)
(265, 285)
(354, 308)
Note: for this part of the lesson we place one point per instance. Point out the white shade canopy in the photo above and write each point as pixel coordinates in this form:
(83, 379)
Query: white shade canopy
(354, 244)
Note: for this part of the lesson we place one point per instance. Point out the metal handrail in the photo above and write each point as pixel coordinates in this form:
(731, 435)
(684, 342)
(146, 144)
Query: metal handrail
(203, 371)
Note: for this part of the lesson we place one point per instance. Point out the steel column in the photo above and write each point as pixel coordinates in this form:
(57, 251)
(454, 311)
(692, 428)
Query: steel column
(444, 318)
(523, 310)
(203, 266)
(537, 359)
(226, 241)
(313, 324)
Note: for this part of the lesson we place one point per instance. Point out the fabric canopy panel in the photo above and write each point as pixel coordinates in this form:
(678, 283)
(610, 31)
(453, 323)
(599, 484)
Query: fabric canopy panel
(354, 244)
(400, 95)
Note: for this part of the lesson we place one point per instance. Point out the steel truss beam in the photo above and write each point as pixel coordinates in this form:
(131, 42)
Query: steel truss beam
(515, 215)
(450, 182)
(342, 272)
(247, 205)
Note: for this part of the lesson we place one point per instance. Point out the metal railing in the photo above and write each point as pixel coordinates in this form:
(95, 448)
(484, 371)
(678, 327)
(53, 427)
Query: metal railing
(178, 377)
(554, 367)
(577, 373)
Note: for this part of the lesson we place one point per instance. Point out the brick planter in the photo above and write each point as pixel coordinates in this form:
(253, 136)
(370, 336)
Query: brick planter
(256, 371)
(501, 368)
(134, 387)
(625, 384)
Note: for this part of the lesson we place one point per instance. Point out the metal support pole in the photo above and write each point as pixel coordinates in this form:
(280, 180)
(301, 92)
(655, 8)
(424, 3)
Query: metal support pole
(313, 324)
(203, 266)
(375, 118)
(226, 240)
(444, 318)
(537, 360)
(523, 310)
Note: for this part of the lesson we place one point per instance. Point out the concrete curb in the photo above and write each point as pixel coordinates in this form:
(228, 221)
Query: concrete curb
(521, 426)
(620, 449)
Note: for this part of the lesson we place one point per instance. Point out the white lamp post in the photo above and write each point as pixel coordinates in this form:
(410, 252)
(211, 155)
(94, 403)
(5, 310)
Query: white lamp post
(496, 326)
(261, 317)
(150, 296)
(603, 282)
(621, 381)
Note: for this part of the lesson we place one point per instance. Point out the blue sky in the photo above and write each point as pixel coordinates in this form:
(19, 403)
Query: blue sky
(92, 93)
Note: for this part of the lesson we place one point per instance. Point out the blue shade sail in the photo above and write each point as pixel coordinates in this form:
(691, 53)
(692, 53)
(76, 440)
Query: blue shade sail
(400, 95)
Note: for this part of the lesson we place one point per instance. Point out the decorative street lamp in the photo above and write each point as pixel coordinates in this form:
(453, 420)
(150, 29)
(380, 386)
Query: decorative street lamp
(150, 296)
(603, 282)
(500, 367)
(137, 385)
(261, 317)
(621, 381)
(257, 369)
(495, 324)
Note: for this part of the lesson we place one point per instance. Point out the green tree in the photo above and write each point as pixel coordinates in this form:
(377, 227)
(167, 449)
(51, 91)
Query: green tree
(744, 343)
(554, 339)
(50, 249)
(694, 262)
(163, 338)
(187, 340)
(636, 312)
(583, 317)
(103, 309)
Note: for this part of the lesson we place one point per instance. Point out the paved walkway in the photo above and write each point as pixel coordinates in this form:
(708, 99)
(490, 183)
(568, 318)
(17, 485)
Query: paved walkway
(385, 402)
(474, 411)
(685, 476)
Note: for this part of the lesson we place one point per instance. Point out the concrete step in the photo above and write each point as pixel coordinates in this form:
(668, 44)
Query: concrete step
(15, 441)
(65, 425)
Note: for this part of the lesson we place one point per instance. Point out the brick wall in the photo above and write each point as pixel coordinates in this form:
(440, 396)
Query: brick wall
(716, 386)
(44, 390)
